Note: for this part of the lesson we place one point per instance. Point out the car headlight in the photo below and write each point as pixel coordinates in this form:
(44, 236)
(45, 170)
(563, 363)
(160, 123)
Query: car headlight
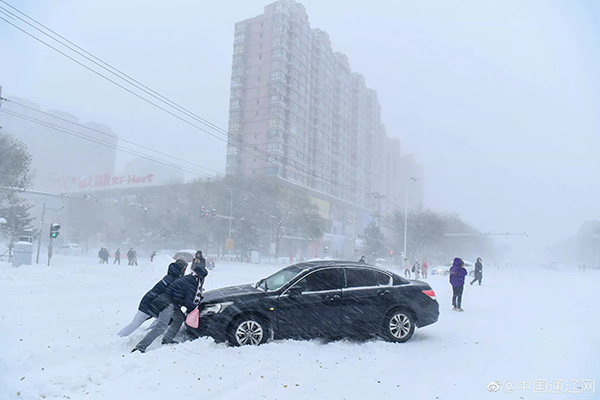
(215, 308)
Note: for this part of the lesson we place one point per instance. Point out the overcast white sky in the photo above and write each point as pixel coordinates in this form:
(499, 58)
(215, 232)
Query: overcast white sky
(498, 100)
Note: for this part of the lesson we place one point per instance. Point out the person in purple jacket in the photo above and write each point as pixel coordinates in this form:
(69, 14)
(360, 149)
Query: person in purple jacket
(457, 280)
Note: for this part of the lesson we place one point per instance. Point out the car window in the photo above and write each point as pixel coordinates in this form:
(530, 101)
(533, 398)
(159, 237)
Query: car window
(279, 278)
(357, 277)
(325, 279)
(383, 279)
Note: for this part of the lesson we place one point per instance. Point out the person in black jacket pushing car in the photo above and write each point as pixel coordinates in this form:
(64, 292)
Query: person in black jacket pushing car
(186, 292)
(146, 310)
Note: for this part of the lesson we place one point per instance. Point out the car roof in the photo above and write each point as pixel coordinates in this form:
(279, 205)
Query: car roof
(314, 264)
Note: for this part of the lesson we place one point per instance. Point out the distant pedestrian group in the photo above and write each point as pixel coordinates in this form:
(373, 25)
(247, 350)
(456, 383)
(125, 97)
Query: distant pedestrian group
(418, 268)
(103, 255)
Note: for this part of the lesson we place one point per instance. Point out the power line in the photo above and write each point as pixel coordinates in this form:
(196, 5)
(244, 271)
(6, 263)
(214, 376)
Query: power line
(121, 75)
(156, 95)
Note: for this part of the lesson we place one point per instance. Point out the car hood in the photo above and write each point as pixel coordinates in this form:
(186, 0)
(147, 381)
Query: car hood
(229, 293)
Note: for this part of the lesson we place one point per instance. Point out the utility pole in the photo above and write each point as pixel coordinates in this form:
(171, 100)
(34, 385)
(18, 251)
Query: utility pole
(37, 257)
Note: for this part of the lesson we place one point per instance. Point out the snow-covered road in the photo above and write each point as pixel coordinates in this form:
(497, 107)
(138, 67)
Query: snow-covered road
(529, 326)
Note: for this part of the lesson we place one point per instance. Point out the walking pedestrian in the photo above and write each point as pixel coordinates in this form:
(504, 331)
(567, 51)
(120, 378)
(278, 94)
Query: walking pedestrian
(186, 292)
(117, 257)
(130, 256)
(147, 309)
(406, 268)
(416, 268)
(134, 257)
(152, 256)
(478, 271)
(457, 280)
(424, 268)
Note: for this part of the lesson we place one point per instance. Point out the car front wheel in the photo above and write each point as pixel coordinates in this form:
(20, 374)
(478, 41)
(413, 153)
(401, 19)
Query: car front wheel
(248, 330)
(398, 326)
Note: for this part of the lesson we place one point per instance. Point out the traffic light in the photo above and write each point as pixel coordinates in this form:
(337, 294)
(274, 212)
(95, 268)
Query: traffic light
(54, 230)
(204, 212)
(391, 252)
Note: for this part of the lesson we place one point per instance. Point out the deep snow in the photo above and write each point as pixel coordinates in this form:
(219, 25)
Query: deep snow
(59, 324)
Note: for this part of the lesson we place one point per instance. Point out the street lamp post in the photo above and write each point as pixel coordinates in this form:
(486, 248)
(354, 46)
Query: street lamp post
(412, 179)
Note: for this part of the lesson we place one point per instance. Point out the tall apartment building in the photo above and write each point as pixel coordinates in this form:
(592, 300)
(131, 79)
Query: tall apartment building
(298, 112)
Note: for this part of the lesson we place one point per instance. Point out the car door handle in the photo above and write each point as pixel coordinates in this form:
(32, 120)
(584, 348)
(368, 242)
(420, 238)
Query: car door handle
(383, 292)
(335, 297)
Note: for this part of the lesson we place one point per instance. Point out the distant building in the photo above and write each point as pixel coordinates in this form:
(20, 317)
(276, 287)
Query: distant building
(63, 157)
(298, 112)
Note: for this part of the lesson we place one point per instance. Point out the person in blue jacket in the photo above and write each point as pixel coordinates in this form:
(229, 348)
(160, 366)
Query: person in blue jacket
(146, 309)
(184, 292)
(457, 280)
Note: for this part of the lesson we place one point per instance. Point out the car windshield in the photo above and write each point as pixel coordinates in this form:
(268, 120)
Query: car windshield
(279, 278)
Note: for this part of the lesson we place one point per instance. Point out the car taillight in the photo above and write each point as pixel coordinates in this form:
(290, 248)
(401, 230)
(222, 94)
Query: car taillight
(429, 293)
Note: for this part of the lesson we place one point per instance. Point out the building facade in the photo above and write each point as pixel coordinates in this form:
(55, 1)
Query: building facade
(299, 112)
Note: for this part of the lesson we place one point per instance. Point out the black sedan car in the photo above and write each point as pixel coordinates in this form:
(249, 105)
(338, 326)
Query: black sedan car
(313, 299)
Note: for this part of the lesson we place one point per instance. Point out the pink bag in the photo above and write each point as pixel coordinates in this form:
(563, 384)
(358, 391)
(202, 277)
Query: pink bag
(193, 318)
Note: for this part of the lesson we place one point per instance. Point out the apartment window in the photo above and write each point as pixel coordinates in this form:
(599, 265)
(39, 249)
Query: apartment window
(235, 127)
(238, 81)
(238, 59)
(237, 114)
(231, 150)
(275, 75)
(274, 134)
(275, 98)
(276, 110)
(275, 146)
(235, 104)
(239, 49)
(276, 123)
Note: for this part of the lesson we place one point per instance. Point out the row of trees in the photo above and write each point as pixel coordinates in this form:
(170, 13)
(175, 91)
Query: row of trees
(254, 209)
(581, 248)
(438, 237)
(248, 210)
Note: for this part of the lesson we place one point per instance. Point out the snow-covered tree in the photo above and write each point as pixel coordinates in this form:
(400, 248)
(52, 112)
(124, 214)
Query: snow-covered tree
(374, 240)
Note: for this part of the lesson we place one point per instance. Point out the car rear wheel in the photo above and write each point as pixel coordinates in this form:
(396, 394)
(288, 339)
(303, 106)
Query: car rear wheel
(398, 326)
(248, 330)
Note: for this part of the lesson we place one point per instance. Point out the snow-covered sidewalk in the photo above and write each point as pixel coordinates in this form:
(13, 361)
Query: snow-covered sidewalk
(58, 330)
